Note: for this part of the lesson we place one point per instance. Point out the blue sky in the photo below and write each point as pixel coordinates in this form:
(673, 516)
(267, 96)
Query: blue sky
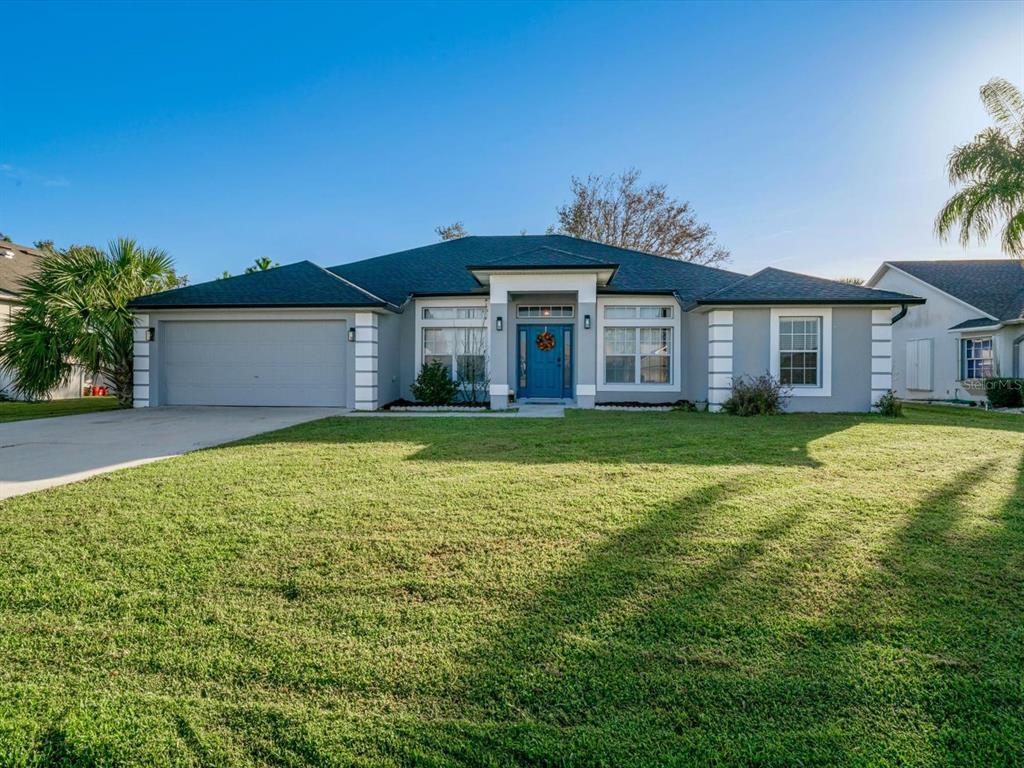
(810, 136)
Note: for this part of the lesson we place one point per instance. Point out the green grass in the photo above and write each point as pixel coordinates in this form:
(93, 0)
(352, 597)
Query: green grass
(615, 589)
(18, 411)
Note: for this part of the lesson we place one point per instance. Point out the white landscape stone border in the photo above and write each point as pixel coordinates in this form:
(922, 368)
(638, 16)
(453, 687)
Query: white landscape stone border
(632, 407)
(434, 408)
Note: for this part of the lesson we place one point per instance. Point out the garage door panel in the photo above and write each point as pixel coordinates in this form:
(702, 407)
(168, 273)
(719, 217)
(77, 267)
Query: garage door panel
(253, 363)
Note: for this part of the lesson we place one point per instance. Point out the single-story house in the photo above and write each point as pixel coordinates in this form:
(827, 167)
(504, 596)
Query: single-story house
(17, 263)
(971, 329)
(548, 317)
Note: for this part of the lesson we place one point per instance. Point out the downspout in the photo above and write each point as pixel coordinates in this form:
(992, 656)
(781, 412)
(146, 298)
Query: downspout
(900, 315)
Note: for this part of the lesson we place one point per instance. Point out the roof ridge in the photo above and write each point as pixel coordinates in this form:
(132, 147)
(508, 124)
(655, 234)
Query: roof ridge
(348, 282)
(737, 282)
(641, 253)
(556, 250)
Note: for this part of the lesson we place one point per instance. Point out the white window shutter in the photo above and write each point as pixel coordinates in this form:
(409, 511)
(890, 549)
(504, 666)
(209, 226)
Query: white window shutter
(924, 364)
(912, 365)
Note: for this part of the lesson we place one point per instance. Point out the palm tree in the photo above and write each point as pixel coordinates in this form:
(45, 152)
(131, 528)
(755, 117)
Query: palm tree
(991, 168)
(75, 312)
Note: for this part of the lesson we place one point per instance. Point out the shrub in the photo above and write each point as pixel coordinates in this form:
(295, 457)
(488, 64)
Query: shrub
(1005, 393)
(756, 396)
(889, 405)
(434, 385)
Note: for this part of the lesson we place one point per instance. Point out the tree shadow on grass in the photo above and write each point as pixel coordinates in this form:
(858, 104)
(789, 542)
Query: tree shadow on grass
(619, 662)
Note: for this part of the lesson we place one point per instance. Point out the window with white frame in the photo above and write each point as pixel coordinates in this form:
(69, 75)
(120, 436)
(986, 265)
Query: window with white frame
(637, 355)
(977, 359)
(454, 313)
(463, 351)
(799, 351)
(636, 312)
(527, 312)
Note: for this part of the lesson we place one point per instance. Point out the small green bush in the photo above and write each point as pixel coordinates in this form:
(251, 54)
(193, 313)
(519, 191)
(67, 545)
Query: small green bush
(1005, 392)
(756, 396)
(889, 405)
(434, 385)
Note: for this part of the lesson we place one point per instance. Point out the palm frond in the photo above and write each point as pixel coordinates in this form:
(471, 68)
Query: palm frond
(1005, 103)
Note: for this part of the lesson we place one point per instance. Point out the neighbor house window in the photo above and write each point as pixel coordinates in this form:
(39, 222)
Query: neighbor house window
(454, 313)
(463, 351)
(637, 355)
(977, 358)
(529, 312)
(799, 348)
(642, 312)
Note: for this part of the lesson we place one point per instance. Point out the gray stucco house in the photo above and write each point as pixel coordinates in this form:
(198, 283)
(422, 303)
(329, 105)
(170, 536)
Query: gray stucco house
(549, 317)
(971, 329)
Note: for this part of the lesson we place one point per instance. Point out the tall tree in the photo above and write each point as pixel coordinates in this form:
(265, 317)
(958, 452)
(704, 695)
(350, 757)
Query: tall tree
(261, 264)
(991, 170)
(617, 210)
(75, 311)
(4, 238)
(452, 231)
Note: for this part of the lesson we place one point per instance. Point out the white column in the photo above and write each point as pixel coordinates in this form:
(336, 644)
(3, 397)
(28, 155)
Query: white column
(719, 358)
(366, 361)
(140, 361)
(881, 353)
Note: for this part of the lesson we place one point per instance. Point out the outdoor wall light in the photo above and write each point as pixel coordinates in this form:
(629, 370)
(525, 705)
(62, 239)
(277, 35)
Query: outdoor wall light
(150, 334)
(586, 322)
(351, 334)
(499, 324)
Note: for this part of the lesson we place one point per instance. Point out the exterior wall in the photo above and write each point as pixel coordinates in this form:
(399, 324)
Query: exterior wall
(695, 364)
(930, 321)
(6, 309)
(147, 372)
(389, 379)
(408, 365)
(851, 356)
(1007, 344)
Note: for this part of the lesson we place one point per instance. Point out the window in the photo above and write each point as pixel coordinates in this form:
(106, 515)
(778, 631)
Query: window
(638, 355)
(919, 364)
(799, 345)
(619, 312)
(528, 312)
(454, 313)
(463, 351)
(977, 358)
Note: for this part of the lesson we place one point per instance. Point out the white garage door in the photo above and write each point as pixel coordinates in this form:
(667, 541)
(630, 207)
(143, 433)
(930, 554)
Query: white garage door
(280, 362)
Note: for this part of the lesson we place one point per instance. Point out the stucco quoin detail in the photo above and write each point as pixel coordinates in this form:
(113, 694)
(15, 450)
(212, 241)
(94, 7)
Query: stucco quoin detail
(881, 353)
(140, 361)
(720, 340)
(366, 327)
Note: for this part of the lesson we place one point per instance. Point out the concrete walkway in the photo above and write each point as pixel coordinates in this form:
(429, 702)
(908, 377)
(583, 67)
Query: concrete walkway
(42, 453)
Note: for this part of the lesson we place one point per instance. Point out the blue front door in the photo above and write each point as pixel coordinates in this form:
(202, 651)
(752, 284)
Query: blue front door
(545, 361)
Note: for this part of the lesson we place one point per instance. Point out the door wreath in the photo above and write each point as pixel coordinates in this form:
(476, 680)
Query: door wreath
(545, 341)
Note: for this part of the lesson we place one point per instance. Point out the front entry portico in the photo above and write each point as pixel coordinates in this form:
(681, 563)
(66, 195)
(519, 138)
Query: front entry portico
(545, 361)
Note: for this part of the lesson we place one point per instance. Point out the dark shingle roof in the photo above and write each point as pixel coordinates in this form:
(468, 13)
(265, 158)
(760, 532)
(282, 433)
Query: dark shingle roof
(545, 257)
(441, 268)
(995, 286)
(976, 322)
(777, 286)
(302, 284)
(16, 263)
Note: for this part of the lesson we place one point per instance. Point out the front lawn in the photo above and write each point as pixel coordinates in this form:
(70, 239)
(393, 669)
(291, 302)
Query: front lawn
(11, 410)
(619, 589)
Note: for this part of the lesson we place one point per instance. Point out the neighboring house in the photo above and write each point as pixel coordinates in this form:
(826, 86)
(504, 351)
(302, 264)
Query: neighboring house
(16, 263)
(550, 317)
(972, 327)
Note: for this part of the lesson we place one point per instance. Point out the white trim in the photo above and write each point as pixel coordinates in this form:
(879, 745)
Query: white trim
(720, 360)
(586, 390)
(583, 285)
(674, 323)
(499, 390)
(467, 322)
(878, 276)
(825, 314)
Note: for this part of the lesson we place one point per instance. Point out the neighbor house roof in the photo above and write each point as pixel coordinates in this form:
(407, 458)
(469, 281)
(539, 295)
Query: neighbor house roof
(16, 263)
(302, 284)
(975, 322)
(994, 286)
(777, 286)
(443, 268)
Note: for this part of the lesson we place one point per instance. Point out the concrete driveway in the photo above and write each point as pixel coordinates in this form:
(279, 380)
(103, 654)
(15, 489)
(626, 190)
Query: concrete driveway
(42, 453)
